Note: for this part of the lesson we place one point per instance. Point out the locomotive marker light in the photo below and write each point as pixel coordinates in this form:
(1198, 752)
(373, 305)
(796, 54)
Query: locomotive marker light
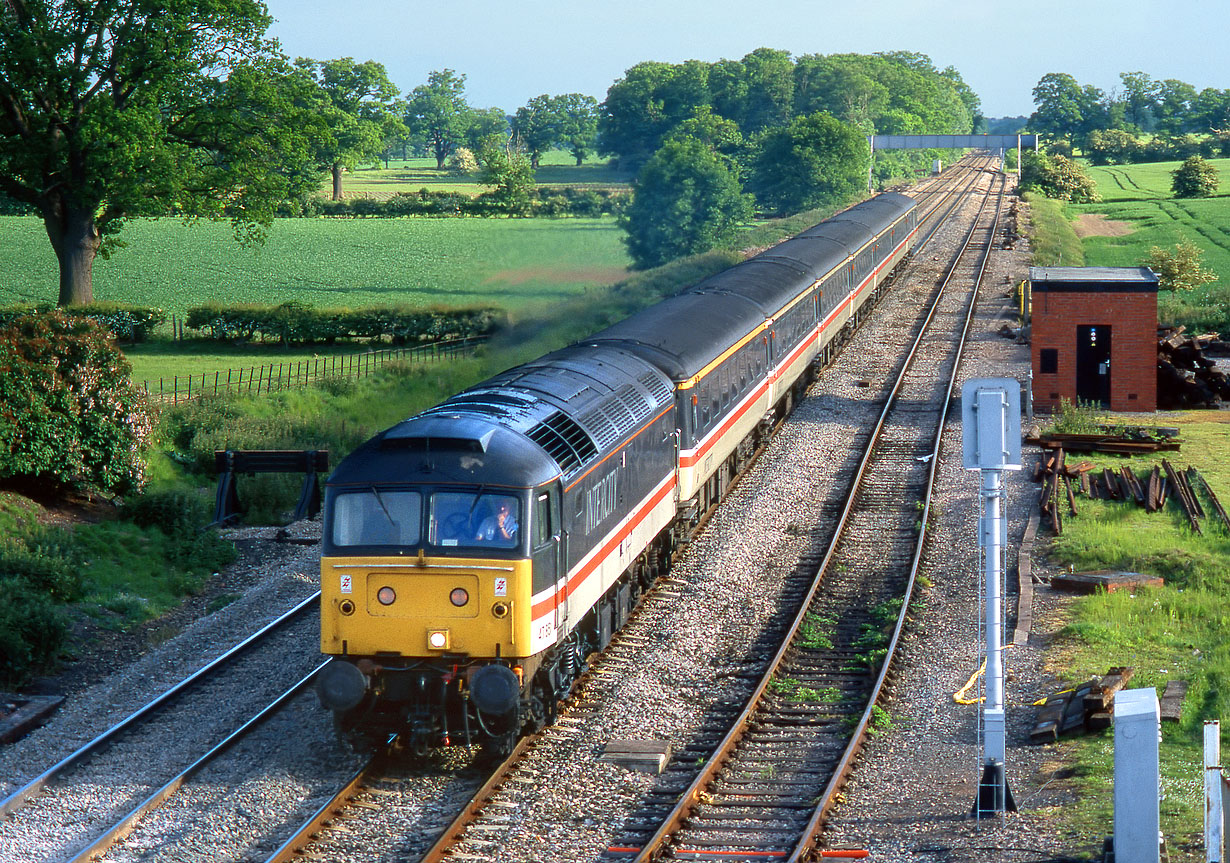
(991, 444)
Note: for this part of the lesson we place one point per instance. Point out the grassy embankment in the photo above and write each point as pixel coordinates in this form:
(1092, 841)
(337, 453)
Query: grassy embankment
(1177, 631)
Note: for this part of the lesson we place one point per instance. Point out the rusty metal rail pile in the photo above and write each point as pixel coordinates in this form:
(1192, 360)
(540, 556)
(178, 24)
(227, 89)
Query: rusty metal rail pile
(767, 788)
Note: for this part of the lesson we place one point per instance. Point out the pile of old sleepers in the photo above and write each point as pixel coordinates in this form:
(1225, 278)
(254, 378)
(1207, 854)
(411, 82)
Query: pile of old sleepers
(1091, 706)
(1149, 490)
(1186, 376)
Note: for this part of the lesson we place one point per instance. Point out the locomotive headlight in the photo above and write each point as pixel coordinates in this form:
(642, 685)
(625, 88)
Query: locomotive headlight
(437, 639)
(386, 596)
(459, 596)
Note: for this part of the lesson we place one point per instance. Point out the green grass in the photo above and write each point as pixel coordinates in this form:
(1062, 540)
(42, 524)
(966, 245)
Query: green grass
(556, 168)
(518, 264)
(1175, 632)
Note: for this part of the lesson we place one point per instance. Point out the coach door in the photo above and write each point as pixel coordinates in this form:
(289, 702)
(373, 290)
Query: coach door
(1093, 364)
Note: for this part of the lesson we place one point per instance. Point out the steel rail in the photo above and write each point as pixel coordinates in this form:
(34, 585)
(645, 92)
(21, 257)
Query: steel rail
(125, 825)
(293, 848)
(18, 798)
(858, 739)
(725, 750)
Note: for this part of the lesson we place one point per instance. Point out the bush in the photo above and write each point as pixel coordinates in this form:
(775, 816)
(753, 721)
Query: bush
(71, 414)
(175, 512)
(43, 567)
(1057, 177)
(125, 323)
(1195, 178)
(299, 323)
(32, 631)
(1181, 269)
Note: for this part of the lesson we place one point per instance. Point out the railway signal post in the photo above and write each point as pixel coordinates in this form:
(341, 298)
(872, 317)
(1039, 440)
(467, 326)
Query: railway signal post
(991, 444)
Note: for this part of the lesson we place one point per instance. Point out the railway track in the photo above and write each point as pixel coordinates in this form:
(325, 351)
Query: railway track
(78, 807)
(774, 776)
(476, 829)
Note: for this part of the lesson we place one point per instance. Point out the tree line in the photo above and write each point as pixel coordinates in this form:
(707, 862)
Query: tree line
(1113, 127)
(774, 134)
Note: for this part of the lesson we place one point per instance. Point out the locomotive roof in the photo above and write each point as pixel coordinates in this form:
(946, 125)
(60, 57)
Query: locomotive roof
(522, 427)
(683, 334)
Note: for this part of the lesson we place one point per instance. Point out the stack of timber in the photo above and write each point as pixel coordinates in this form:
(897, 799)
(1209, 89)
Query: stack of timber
(1186, 376)
(1063, 482)
(1087, 707)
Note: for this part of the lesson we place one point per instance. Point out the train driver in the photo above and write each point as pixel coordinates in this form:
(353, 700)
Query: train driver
(500, 528)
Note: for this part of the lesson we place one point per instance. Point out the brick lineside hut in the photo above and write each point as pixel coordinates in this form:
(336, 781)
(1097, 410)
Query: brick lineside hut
(1093, 335)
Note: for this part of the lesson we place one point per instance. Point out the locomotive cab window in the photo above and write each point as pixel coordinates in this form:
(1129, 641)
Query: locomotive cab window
(377, 517)
(468, 519)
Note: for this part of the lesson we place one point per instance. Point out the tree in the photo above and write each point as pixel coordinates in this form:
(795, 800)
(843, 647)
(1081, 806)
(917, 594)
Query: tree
(538, 125)
(358, 102)
(1195, 178)
(437, 111)
(816, 160)
(1176, 101)
(1065, 108)
(122, 108)
(484, 128)
(578, 124)
(685, 202)
(1181, 269)
(1140, 100)
(508, 171)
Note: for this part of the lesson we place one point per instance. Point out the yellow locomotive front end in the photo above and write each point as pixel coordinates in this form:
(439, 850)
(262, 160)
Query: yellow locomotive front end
(432, 547)
(426, 607)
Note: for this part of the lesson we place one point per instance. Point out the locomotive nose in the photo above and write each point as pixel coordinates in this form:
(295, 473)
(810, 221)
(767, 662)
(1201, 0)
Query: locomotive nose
(494, 689)
(340, 685)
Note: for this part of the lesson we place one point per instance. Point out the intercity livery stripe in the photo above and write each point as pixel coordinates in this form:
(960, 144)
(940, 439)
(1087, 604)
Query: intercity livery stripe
(689, 458)
(544, 603)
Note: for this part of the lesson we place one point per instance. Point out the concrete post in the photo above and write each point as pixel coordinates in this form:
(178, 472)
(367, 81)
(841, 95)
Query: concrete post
(1138, 726)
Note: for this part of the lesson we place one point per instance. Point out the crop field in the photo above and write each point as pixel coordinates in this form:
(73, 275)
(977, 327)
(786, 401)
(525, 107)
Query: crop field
(556, 168)
(1140, 195)
(330, 263)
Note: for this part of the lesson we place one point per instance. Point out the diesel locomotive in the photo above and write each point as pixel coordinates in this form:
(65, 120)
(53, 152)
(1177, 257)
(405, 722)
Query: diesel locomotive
(475, 554)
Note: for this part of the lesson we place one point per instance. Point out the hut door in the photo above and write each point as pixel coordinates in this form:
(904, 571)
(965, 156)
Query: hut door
(1093, 364)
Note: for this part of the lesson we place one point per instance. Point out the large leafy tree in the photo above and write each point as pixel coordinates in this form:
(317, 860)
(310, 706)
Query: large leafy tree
(1065, 109)
(438, 113)
(121, 108)
(686, 201)
(537, 125)
(578, 124)
(817, 160)
(359, 105)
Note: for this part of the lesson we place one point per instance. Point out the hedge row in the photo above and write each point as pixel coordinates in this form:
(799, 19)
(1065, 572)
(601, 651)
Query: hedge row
(544, 201)
(298, 323)
(126, 323)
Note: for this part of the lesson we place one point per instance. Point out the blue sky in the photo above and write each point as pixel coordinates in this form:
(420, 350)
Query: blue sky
(512, 50)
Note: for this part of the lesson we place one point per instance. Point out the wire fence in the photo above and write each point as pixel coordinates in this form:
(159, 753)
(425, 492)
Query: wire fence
(268, 378)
